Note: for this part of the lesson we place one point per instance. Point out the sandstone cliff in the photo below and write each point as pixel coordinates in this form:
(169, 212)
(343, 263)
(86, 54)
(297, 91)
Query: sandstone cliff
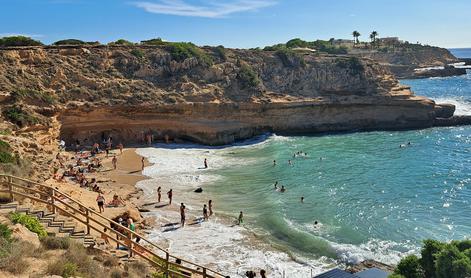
(216, 96)
(403, 61)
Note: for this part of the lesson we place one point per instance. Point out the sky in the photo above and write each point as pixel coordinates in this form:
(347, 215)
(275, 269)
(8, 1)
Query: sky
(238, 23)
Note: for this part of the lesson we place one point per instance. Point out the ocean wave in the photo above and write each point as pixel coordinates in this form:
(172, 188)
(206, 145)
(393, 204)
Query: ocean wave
(463, 106)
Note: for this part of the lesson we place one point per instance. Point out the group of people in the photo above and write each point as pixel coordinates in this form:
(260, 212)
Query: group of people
(207, 212)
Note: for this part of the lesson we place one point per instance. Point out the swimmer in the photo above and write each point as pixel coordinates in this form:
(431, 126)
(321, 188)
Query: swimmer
(283, 189)
(302, 199)
(289, 162)
(276, 185)
(402, 146)
(274, 162)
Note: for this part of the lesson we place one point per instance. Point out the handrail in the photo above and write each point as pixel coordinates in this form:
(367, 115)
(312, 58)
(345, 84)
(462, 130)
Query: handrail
(54, 200)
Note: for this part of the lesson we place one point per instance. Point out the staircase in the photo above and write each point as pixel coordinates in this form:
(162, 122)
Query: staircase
(55, 225)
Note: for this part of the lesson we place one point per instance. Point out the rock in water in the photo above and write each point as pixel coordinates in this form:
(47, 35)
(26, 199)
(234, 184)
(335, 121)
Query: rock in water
(198, 190)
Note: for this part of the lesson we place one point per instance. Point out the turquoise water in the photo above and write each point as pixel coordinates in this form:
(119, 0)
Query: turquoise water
(372, 199)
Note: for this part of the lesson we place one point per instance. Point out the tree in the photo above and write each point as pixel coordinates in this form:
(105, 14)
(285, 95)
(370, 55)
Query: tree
(430, 249)
(19, 41)
(331, 40)
(356, 35)
(410, 267)
(451, 263)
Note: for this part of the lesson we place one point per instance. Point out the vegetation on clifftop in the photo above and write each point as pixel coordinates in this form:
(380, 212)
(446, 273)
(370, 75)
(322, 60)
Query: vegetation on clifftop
(19, 41)
(438, 260)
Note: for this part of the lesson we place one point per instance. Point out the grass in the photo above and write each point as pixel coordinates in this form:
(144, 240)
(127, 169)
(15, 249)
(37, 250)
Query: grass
(5, 132)
(30, 222)
(14, 254)
(53, 243)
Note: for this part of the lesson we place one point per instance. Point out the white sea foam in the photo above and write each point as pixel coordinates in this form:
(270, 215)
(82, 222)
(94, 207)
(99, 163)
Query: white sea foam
(463, 107)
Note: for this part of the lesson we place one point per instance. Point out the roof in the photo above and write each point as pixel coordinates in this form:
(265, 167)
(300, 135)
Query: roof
(336, 273)
(372, 273)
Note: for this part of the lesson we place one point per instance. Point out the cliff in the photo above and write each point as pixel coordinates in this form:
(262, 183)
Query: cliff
(207, 95)
(404, 60)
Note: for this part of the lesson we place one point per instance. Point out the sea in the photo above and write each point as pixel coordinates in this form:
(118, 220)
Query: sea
(367, 195)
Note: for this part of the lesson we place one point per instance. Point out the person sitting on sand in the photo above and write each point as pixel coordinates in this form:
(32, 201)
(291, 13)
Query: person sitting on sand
(159, 194)
(283, 189)
(101, 202)
(241, 218)
(170, 195)
(116, 202)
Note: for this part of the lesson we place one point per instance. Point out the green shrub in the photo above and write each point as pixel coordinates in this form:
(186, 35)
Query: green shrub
(19, 41)
(451, 263)
(289, 58)
(220, 51)
(184, 50)
(137, 53)
(297, 43)
(429, 250)
(121, 42)
(30, 222)
(14, 254)
(52, 243)
(247, 76)
(70, 270)
(18, 116)
(29, 94)
(5, 132)
(462, 245)
(394, 275)
(4, 146)
(410, 267)
(75, 42)
(6, 157)
(5, 232)
(157, 41)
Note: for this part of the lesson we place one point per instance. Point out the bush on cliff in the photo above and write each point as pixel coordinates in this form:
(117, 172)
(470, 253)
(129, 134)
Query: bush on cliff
(439, 260)
(30, 222)
(247, 76)
(137, 53)
(75, 42)
(19, 41)
(5, 153)
(290, 58)
(33, 95)
(220, 51)
(184, 50)
(18, 116)
(121, 42)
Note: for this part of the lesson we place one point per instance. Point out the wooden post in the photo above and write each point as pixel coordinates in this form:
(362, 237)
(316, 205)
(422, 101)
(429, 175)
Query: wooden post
(130, 244)
(204, 272)
(167, 264)
(52, 201)
(10, 188)
(88, 221)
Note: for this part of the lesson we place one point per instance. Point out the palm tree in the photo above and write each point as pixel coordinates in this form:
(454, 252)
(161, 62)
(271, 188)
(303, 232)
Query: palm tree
(356, 35)
(373, 36)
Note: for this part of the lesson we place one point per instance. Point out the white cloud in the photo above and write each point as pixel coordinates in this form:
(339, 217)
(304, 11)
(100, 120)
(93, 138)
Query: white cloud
(212, 9)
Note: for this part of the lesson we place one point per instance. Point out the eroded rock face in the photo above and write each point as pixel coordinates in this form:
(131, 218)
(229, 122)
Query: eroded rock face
(129, 92)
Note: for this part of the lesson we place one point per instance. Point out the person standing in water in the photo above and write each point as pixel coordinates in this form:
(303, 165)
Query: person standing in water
(205, 213)
(276, 185)
(120, 146)
(210, 206)
(205, 163)
(170, 195)
(302, 199)
(159, 194)
(142, 163)
(182, 215)
(241, 218)
(274, 162)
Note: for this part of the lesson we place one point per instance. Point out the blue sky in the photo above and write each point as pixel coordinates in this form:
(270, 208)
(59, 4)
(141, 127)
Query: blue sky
(238, 23)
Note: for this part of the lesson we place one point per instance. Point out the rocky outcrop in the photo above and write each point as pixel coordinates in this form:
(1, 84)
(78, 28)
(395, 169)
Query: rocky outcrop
(404, 61)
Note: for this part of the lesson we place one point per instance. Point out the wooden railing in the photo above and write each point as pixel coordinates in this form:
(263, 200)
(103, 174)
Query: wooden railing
(94, 221)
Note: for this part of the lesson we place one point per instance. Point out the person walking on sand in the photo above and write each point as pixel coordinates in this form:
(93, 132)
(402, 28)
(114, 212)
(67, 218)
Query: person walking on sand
(159, 194)
(182, 215)
(114, 161)
(210, 206)
(205, 163)
(142, 163)
(120, 146)
(205, 213)
(170, 195)
(100, 199)
(241, 218)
